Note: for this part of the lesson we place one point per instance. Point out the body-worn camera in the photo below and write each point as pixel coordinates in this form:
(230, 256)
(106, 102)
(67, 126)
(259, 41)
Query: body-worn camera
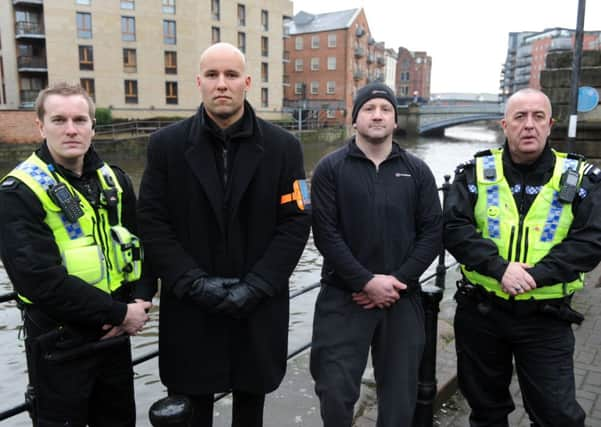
(64, 199)
(568, 186)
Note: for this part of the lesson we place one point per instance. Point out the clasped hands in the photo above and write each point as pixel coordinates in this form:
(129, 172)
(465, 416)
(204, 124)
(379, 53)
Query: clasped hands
(231, 296)
(381, 291)
(516, 280)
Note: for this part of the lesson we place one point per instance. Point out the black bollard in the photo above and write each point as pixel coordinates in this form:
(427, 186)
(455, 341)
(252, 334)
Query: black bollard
(431, 297)
(171, 411)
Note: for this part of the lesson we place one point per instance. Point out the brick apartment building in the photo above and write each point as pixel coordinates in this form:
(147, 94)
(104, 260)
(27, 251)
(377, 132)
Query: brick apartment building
(138, 58)
(527, 53)
(328, 57)
(413, 74)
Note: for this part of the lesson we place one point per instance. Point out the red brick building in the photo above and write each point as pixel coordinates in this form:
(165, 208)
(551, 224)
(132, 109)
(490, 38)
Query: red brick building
(413, 74)
(328, 57)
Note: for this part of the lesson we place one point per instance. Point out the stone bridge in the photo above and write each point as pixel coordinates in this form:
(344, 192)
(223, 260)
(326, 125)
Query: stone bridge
(432, 119)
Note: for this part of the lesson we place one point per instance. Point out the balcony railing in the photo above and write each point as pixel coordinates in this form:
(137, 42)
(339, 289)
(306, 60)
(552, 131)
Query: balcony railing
(359, 52)
(358, 74)
(371, 58)
(286, 56)
(381, 60)
(28, 97)
(360, 32)
(31, 62)
(23, 28)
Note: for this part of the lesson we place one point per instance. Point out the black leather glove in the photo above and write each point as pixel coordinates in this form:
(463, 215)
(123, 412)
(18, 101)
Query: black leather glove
(209, 291)
(242, 298)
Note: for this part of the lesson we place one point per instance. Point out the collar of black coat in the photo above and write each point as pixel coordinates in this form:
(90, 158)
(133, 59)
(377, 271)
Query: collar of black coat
(545, 161)
(355, 151)
(241, 129)
(91, 161)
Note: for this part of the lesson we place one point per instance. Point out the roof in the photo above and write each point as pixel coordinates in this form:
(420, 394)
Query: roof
(304, 22)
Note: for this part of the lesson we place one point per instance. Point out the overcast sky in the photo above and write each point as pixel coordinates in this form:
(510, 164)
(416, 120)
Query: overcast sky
(467, 39)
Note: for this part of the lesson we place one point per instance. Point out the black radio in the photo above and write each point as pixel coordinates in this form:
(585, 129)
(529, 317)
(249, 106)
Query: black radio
(568, 186)
(64, 199)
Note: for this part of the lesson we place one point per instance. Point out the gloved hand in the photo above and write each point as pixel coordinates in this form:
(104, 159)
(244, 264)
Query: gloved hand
(241, 299)
(209, 291)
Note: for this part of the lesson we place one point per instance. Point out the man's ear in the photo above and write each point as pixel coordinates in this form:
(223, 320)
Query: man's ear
(93, 124)
(40, 127)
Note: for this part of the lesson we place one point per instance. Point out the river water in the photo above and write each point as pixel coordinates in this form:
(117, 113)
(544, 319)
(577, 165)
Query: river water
(442, 155)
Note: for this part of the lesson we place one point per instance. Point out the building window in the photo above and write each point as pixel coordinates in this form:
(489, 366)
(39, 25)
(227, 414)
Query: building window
(170, 62)
(331, 62)
(298, 43)
(331, 40)
(128, 28)
(241, 15)
(84, 25)
(169, 6)
(131, 91)
(331, 114)
(265, 20)
(215, 35)
(314, 42)
(298, 88)
(331, 87)
(169, 32)
(314, 88)
(215, 10)
(171, 92)
(86, 58)
(88, 86)
(128, 4)
(264, 46)
(242, 42)
(314, 64)
(298, 64)
(264, 97)
(130, 61)
(264, 72)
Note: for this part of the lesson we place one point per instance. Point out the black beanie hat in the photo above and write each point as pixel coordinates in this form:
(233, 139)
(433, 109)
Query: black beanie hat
(371, 91)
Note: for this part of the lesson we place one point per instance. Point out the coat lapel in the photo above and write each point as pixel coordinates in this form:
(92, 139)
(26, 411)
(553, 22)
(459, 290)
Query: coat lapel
(201, 159)
(248, 158)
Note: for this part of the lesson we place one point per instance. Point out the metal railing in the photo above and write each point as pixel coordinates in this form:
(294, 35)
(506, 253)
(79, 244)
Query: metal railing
(427, 387)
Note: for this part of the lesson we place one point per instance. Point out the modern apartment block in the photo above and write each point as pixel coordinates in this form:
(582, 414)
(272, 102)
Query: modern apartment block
(328, 57)
(413, 74)
(527, 53)
(138, 58)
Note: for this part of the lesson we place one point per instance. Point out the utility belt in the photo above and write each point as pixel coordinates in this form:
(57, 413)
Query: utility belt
(485, 301)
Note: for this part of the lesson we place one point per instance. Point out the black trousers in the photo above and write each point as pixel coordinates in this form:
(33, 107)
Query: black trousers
(343, 333)
(543, 348)
(96, 389)
(247, 409)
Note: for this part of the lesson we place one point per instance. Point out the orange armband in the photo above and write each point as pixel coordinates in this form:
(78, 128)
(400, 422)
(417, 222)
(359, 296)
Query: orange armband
(300, 195)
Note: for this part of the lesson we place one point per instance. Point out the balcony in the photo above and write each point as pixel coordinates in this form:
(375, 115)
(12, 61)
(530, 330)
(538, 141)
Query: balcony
(286, 80)
(358, 74)
(381, 60)
(360, 32)
(371, 41)
(24, 29)
(371, 58)
(27, 2)
(359, 52)
(286, 57)
(32, 63)
(28, 98)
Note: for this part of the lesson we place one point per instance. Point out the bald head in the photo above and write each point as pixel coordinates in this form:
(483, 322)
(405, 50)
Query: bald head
(222, 50)
(528, 93)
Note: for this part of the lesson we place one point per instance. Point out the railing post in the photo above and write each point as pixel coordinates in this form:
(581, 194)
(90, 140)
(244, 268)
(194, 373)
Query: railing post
(431, 297)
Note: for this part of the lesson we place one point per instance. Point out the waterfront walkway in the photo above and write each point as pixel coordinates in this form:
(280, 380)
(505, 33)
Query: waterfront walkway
(294, 404)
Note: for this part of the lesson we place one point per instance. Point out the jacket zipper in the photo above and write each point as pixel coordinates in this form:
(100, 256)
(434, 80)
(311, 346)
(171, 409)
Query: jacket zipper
(511, 237)
(521, 222)
(525, 257)
(224, 153)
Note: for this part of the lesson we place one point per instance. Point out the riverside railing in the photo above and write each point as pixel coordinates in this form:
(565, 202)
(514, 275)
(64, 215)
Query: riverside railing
(177, 409)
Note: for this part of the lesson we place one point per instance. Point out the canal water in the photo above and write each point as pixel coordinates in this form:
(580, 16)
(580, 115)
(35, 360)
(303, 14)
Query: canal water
(442, 154)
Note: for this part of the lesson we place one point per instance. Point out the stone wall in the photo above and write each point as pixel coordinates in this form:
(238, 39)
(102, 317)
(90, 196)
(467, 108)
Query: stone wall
(18, 127)
(556, 83)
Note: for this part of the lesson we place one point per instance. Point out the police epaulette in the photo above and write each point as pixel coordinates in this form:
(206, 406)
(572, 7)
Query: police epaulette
(592, 172)
(483, 153)
(9, 183)
(465, 165)
(576, 156)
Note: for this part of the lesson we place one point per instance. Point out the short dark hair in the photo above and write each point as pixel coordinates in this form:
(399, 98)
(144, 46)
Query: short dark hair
(63, 89)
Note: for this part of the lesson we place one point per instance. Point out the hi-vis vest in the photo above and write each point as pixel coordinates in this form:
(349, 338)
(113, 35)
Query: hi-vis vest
(524, 239)
(102, 254)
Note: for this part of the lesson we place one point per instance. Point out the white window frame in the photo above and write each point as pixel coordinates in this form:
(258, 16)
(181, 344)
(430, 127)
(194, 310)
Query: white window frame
(314, 42)
(315, 87)
(298, 64)
(315, 64)
(331, 63)
(298, 43)
(332, 40)
(331, 87)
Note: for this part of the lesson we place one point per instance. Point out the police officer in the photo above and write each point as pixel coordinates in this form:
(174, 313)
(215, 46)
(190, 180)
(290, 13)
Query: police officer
(66, 222)
(523, 221)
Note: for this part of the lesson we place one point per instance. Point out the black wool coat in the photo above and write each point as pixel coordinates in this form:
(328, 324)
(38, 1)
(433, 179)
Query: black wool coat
(190, 225)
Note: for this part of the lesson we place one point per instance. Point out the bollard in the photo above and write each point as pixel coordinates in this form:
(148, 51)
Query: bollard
(431, 297)
(171, 411)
